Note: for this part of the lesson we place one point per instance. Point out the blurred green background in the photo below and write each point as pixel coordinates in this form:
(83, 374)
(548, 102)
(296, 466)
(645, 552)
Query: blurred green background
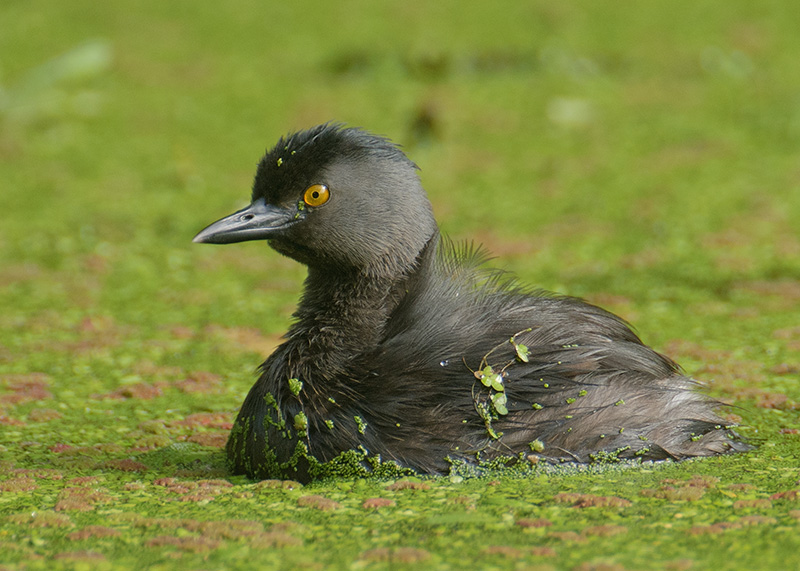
(643, 155)
(587, 144)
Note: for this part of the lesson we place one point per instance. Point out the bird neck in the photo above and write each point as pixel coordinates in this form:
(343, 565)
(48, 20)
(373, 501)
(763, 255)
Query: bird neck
(344, 312)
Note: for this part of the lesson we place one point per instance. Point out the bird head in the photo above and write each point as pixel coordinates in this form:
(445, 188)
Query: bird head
(334, 197)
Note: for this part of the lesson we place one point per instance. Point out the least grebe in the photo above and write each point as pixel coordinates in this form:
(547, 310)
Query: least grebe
(406, 348)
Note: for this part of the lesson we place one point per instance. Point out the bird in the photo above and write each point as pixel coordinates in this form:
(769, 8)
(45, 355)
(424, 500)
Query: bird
(406, 350)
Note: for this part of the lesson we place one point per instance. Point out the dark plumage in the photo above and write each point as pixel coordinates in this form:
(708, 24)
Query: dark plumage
(395, 321)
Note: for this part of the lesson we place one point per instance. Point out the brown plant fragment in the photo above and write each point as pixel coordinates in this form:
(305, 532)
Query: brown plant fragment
(375, 503)
(43, 415)
(516, 552)
(786, 369)
(27, 387)
(217, 483)
(278, 484)
(791, 333)
(232, 529)
(221, 420)
(528, 522)
(567, 536)
(193, 544)
(745, 504)
(210, 439)
(8, 421)
(127, 465)
(673, 494)
(697, 481)
(274, 540)
(607, 530)
(742, 487)
(73, 504)
(503, 550)
(591, 500)
(685, 349)
(227, 529)
(200, 382)
(183, 486)
(792, 495)
(60, 447)
(39, 473)
(396, 555)
(318, 502)
(91, 531)
(40, 519)
(18, 485)
(408, 485)
(80, 499)
(765, 399)
(141, 391)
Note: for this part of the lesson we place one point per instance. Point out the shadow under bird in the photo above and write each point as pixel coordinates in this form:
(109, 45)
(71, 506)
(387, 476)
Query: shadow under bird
(406, 349)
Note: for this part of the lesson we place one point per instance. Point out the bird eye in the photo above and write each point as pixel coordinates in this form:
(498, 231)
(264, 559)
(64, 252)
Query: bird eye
(316, 195)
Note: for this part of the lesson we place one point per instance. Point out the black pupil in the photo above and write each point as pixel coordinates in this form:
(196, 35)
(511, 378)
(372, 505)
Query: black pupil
(315, 194)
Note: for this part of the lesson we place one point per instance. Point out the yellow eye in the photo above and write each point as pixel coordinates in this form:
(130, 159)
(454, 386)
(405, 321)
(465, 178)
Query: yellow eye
(316, 195)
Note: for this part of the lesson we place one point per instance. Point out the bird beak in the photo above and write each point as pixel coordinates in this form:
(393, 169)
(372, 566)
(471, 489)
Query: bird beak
(256, 222)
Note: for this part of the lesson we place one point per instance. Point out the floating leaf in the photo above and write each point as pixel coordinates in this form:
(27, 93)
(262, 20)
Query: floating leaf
(499, 401)
(492, 433)
(484, 412)
(361, 424)
(536, 445)
(496, 381)
(486, 375)
(300, 421)
(295, 386)
(523, 353)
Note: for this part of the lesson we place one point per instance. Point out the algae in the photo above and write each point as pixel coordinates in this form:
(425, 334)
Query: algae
(658, 183)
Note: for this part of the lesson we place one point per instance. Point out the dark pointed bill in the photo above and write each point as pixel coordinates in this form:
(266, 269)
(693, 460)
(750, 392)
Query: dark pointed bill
(256, 222)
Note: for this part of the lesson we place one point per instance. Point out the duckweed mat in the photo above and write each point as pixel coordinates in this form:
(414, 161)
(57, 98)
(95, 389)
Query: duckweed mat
(641, 156)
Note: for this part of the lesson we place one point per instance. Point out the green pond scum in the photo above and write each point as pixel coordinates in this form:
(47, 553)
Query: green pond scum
(641, 156)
